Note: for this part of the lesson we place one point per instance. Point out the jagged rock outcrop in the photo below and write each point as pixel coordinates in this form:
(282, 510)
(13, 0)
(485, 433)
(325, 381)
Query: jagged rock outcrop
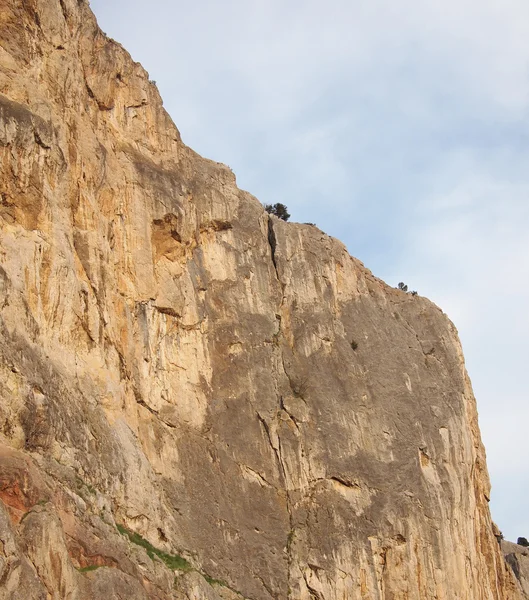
(197, 400)
(518, 558)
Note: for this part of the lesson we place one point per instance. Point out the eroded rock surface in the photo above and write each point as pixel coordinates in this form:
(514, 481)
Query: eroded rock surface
(199, 401)
(518, 558)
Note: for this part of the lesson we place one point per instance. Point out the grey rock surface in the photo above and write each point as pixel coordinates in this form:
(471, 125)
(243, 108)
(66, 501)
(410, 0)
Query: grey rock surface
(518, 559)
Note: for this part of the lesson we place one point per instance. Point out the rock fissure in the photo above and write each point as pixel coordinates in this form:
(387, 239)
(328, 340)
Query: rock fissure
(290, 415)
(40, 142)
(270, 592)
(344, 482)
(263, 481)
(142, 403)
(272, 445)
(64, 10)
(314, 594)
(273, 243)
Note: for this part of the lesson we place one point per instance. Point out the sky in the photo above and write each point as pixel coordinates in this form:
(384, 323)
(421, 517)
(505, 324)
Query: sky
(401, 128)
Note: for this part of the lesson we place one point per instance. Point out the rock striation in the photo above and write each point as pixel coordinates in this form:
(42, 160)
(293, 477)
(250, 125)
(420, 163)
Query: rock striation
(199, 401)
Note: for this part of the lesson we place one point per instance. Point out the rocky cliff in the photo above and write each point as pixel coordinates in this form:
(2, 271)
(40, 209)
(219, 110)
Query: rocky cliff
(518, 558)
(197, 400)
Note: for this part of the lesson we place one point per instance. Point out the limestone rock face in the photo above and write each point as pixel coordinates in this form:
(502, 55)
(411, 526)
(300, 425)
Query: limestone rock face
(518, 558)
(199, 401)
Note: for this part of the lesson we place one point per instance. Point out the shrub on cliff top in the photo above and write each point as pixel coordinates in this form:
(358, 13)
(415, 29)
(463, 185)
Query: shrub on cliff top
(279, 210)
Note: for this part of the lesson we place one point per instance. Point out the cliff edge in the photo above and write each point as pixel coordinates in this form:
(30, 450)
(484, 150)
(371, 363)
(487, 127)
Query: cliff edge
(198, 400)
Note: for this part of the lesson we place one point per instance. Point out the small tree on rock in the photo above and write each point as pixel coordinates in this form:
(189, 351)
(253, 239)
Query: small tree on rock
(279, 210)
(403, 287)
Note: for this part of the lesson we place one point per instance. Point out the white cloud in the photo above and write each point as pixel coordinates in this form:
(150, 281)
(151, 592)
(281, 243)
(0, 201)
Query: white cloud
(471, 255)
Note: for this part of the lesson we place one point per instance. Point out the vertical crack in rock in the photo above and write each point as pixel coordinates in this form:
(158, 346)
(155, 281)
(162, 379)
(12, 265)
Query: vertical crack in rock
(272, 240)
(266, 586)
(290, 415)
(294, 387)
(275, 450)
(64, 11)
(273, 245)
(314, 594)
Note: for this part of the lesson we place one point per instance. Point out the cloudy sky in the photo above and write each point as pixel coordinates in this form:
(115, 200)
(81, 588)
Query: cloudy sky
(402, 128)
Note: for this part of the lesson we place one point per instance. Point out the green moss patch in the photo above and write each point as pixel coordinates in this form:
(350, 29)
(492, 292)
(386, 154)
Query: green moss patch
(212, 581)
(173, 561)
(89, 568)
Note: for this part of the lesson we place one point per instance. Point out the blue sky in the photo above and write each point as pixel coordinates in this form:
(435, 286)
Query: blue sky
(400, 128)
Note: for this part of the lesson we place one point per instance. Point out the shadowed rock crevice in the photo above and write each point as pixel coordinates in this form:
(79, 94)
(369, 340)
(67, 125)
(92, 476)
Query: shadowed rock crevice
(273, 244)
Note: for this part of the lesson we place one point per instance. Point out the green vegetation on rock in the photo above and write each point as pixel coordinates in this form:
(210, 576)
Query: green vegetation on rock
(88, 568)
(173, 561)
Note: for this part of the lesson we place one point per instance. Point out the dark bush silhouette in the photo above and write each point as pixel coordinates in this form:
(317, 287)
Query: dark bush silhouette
(279, 210)
(523, 542)
(404, 288)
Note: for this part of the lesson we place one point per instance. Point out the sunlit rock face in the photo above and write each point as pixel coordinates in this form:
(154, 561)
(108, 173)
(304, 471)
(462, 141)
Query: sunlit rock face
(269, 419)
